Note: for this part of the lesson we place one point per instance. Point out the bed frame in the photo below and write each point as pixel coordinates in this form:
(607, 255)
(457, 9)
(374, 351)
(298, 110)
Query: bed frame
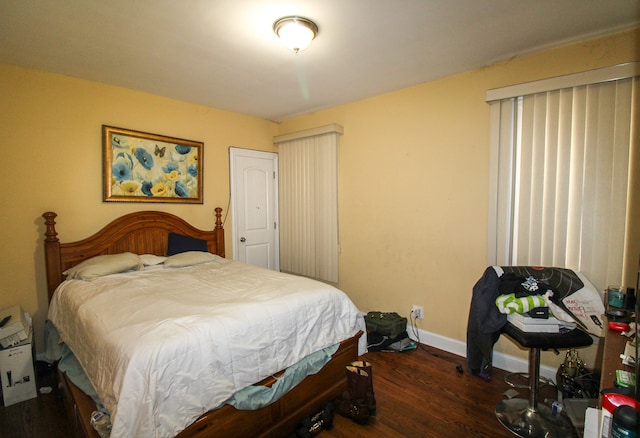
(146, 232)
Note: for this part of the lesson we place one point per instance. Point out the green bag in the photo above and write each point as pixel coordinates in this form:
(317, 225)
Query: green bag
(386, 323)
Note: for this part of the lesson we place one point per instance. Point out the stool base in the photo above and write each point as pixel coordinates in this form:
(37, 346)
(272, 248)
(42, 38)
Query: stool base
(515, 415)
(508, 379)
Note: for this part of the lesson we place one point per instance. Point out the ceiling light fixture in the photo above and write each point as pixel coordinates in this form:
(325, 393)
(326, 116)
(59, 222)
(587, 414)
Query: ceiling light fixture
(295, 32)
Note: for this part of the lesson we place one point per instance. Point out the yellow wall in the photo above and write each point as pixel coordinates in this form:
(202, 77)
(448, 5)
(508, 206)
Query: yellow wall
(413, 175)
(414, 169)
(50, 131)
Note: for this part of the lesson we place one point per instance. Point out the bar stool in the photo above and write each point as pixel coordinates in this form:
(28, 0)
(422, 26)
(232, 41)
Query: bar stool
(527, 418)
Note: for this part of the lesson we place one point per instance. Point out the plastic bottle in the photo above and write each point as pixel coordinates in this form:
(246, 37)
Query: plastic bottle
(101, 422)
(625, 422)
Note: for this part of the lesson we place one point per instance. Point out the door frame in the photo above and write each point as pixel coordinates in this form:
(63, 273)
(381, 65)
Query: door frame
(235, 152)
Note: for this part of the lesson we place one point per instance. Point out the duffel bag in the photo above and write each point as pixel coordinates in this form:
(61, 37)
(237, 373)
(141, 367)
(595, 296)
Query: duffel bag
(386, 323)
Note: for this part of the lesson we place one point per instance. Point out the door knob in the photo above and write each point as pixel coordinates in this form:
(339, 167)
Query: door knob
(242, 239)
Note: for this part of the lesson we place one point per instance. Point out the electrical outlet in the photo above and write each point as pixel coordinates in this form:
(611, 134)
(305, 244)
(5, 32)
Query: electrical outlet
(417, 312)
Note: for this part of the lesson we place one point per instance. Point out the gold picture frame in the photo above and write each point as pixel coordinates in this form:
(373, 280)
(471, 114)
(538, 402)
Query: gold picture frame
(143, 167)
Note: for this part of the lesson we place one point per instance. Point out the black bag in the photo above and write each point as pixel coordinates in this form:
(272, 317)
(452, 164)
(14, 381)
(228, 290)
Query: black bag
(378, 342)
(386, 323)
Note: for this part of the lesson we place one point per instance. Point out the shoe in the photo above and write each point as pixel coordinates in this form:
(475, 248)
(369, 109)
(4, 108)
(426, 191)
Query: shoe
(312, 426)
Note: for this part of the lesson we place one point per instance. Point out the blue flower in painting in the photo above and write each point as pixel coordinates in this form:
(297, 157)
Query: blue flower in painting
(144, 157)
(121, 167)
(193, 170)
(146, 188)
(170, 167)
(121, 172)
(182, 149)
(125, 159)
(181, 189)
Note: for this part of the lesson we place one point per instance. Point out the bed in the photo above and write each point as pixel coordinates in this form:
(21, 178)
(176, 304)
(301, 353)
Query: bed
(147, 233)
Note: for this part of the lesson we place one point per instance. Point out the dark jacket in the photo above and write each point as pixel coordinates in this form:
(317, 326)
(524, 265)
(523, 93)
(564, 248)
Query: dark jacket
(485, 323)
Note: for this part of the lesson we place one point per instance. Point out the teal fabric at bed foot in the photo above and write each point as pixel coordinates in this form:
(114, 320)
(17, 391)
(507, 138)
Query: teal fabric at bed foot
(255, 397)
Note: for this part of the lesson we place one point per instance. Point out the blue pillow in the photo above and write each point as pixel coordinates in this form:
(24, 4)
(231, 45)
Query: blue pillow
(178, 243)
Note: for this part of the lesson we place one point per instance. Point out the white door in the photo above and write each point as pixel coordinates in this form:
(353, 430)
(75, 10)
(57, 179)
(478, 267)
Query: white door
(254, 207)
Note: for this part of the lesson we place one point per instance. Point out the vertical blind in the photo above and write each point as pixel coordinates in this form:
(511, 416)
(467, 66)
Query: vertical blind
(560, 178)
(308, 199)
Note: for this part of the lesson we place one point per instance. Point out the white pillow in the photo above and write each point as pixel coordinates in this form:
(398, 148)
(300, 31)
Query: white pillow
(151, 259)
(188, 258)
(107, 264)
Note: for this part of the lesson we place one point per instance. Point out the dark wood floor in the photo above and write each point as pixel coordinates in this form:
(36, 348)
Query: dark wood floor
(418, 394)
(41, 417)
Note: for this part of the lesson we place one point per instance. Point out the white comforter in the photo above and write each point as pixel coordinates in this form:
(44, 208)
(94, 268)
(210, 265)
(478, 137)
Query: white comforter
(163, 346)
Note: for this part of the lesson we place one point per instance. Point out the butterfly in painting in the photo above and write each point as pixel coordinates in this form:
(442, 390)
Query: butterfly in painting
(159, 152)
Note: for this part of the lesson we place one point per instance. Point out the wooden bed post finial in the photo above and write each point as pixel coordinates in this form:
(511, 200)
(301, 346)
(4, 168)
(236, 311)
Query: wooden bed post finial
(218, 218)
(52, 253)
(49, 220)
(219, 230)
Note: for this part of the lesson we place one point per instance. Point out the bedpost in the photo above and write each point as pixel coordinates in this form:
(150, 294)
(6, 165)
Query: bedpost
(219, 233)
(218, 218)
(52, 253)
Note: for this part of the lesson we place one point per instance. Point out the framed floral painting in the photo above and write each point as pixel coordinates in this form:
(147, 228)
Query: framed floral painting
(143, 167)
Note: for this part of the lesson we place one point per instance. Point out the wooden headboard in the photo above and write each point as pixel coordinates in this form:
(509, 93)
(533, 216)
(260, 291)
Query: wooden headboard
(144, 232)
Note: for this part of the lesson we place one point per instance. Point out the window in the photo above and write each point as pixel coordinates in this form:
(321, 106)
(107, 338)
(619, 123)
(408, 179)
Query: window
(560, 154)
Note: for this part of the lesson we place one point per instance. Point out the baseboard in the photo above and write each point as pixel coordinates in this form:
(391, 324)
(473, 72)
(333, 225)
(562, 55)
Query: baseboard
(503, 361)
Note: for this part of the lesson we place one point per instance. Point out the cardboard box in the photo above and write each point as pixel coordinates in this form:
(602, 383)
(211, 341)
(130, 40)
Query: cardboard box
(17, 329)
(16, 373)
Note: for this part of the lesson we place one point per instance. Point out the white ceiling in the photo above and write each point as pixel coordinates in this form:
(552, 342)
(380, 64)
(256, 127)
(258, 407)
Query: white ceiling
(224, 54)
